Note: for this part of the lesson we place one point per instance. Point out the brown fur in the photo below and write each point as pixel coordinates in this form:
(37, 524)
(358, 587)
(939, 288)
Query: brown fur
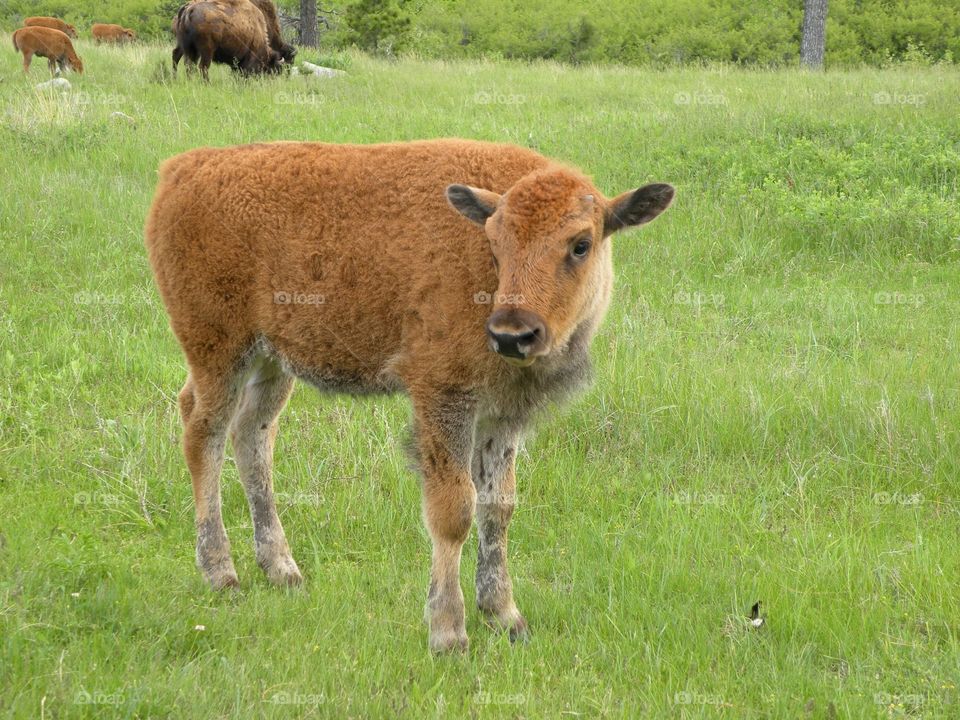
(269, 10)
(346, 266)
(233, 32)
(109, 33)
(51, 22)
(49, 43)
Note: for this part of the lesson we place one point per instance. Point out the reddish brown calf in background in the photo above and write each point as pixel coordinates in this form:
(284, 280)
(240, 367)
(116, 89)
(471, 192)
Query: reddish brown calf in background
(49, 43)
(51, 22)
(471, 276)
(109, 33)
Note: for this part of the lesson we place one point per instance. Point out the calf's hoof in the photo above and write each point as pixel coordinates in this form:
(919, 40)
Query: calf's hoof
(282, 571)
(222, 577)
(449, 641)
(509, 620)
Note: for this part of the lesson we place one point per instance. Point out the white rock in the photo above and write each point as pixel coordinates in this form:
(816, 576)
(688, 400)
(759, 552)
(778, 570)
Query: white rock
(321, 71)
(58, 83)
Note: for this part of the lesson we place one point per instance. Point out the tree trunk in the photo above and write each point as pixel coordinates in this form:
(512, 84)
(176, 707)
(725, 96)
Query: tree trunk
(308, 23)
(813, 39)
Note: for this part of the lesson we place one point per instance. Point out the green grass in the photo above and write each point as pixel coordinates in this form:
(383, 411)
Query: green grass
(775, 416)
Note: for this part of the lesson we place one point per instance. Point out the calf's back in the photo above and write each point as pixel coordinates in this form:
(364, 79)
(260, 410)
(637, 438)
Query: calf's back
(346, 260)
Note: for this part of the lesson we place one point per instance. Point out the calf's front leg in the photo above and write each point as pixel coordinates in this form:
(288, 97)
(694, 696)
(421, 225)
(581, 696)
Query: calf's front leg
(494, 458)
(444, 439)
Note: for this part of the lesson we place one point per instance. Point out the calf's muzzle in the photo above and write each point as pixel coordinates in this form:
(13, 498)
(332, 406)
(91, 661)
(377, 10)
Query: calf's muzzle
(518, 335)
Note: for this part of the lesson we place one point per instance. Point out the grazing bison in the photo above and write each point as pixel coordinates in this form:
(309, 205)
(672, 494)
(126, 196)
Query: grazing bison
(51, 22)
(49, 43)
(233, 32)
(269, 10)
(109, 33)
(471, 276)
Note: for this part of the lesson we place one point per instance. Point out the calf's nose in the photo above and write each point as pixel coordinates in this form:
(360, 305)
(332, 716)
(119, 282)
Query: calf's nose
(517, 334)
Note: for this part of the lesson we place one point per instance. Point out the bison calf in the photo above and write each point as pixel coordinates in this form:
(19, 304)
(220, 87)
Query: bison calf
(471, 276)
(109, 33)
(49, 43)
(51, 22)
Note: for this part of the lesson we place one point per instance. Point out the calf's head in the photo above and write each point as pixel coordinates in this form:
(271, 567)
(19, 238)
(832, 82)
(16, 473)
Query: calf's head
(550, 237)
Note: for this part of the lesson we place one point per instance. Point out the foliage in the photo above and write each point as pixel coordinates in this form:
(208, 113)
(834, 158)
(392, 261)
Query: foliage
(376, 26)
(634, 32)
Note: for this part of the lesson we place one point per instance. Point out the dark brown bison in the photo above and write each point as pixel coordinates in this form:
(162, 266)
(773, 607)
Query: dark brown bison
(51, 22)
(232, 32)
(269, 10)
(46, 42)
(469, 275)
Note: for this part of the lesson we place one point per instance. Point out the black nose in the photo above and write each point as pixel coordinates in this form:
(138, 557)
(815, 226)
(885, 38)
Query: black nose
(517, 334)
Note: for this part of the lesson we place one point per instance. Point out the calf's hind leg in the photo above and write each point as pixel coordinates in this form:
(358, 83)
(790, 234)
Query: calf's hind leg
(207, 403)
(494, 456)
(252, 432)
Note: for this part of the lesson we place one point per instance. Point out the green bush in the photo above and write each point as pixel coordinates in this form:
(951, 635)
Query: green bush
(376, 26)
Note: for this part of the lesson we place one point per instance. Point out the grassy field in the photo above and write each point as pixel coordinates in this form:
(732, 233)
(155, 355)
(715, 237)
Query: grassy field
(775, 416)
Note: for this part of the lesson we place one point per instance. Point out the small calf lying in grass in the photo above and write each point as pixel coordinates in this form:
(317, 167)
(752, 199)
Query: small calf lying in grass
(469, 275)
(49, 43)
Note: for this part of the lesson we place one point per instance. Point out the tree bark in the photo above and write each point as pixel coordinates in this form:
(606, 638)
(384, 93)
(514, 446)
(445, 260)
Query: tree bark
(813, 39)
(308, 23)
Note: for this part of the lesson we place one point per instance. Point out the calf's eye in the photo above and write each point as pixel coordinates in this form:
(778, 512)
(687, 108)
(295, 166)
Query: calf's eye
(580, 249)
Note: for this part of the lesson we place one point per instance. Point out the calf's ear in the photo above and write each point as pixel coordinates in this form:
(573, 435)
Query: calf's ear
(473, 203)
(636, 207)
